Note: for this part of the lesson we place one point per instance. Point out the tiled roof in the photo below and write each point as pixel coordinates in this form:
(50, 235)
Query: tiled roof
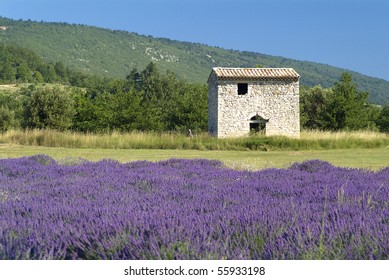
(255, 73)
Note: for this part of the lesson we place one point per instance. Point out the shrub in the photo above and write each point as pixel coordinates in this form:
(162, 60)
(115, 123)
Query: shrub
(49, 108)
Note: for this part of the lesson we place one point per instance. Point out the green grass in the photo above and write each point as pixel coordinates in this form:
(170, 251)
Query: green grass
(350, 149)
(250, 160)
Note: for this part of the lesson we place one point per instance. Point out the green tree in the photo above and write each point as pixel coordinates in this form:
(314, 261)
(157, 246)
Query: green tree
(11, 104)
(86, 116)
(51, 75)
(106, 111)
(150, 100)
(49, 108)
(383, 119)
(347, 108)
(61, 71)
(7, 72)
(38, 77)
(128, 113)
(158, 90)
(7, 118)
(24, 73)
(151, 82)
(313, 102)
(190, 109)
(169, 103)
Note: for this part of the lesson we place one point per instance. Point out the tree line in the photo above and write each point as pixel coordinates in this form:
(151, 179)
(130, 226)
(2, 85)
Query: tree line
(150, 100)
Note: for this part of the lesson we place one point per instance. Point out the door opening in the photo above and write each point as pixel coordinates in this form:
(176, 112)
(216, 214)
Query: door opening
(258, 125)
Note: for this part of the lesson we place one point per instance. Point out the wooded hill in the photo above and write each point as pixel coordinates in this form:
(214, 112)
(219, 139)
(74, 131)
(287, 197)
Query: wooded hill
(114, 53)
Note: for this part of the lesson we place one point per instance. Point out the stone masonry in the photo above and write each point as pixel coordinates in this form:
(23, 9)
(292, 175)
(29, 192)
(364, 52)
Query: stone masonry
(266, 99)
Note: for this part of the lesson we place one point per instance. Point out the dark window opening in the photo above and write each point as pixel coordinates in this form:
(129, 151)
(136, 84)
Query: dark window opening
(243, 88)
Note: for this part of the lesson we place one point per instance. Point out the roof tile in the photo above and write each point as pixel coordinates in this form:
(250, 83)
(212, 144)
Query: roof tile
(256, 73)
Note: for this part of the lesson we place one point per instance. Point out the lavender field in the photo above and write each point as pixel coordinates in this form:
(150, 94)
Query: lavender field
(190, 209)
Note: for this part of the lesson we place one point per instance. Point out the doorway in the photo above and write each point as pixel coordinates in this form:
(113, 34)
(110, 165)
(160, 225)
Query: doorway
(258, 125)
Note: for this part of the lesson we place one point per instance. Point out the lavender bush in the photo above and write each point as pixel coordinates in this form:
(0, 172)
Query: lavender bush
(190, 209)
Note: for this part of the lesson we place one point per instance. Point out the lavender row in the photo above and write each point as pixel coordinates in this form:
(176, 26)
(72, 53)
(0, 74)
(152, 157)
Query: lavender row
(190, 209)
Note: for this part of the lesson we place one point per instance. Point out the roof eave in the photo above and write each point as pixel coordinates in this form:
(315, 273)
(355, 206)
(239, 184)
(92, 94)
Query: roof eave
(255, 74)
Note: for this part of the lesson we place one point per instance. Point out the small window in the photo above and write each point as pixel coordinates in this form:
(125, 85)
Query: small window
(243, 88)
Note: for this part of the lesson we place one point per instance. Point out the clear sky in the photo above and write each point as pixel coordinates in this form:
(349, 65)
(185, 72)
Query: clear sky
(352, 34)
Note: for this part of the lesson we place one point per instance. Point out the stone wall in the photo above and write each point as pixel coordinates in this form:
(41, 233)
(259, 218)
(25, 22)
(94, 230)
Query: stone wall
(277, 102)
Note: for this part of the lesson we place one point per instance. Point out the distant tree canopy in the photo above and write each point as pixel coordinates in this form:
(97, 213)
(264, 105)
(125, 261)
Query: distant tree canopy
(20, 65)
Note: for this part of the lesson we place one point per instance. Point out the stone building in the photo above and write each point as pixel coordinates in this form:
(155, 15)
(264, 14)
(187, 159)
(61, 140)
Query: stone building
(244, 100)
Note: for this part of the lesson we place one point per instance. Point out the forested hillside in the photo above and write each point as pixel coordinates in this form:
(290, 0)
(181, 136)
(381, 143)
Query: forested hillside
(21, 65)
(112, 53)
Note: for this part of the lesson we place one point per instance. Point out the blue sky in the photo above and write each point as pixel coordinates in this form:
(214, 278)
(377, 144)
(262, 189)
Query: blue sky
(352, 34)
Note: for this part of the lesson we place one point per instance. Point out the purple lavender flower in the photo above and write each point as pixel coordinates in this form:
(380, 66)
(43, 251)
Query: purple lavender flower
(190, 209)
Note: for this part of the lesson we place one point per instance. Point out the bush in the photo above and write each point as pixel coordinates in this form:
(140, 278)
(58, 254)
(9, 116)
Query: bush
(49, 108)
(383, 119)
(7, 119)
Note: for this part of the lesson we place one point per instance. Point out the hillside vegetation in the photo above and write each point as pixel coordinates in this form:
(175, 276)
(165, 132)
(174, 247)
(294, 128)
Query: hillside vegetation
(115, 54)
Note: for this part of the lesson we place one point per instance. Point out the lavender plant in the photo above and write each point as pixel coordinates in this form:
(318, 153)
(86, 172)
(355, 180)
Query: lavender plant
(190, 209)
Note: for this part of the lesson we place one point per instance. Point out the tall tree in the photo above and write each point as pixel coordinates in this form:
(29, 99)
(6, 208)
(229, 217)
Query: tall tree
(347, 108)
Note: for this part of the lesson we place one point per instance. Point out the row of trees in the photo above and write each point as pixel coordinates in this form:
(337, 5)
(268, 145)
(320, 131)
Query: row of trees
(151, 100)
(146, 100)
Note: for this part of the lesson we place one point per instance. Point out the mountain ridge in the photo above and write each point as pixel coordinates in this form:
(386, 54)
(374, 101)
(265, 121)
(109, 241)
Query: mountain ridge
(115, 53)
